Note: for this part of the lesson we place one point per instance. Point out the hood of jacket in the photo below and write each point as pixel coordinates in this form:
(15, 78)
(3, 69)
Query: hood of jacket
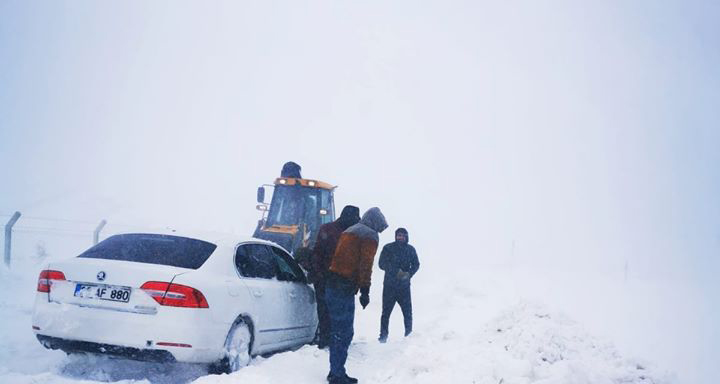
(350, 216)
(404, 231)
(374, 219)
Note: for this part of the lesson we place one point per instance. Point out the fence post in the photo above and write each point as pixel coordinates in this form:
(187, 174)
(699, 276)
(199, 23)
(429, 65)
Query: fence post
(625, 271)
(96, 234)
(8, 236)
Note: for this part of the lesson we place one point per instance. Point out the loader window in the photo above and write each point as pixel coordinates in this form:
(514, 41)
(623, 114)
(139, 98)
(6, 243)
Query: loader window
(286, 206)
(326, 203)
(312, 212)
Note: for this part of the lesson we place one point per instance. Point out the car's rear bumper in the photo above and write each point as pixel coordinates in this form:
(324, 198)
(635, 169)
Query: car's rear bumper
(76, 346)
(186, 334)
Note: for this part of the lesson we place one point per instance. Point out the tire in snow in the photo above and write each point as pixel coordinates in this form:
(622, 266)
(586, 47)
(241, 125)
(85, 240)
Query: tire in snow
(237, 350)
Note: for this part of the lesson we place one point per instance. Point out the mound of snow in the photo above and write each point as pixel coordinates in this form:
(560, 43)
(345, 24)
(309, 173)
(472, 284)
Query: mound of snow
(529, 344)
(525, 344)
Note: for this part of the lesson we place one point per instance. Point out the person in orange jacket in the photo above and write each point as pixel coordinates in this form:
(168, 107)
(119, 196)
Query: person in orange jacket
(350, 271)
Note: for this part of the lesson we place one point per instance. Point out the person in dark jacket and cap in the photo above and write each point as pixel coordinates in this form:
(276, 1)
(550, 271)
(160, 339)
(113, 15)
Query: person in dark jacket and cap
(400, 263)
(350, 270)
(327, 239)
(291, 169)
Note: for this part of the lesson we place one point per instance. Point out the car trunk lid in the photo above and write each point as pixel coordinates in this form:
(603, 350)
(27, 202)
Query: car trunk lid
(109, 284)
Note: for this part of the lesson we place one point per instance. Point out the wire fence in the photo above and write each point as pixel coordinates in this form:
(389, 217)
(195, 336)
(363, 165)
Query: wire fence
(34, 239)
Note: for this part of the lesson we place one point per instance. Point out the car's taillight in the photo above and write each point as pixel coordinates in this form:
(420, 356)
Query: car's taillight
(45, 277)
(175, 295)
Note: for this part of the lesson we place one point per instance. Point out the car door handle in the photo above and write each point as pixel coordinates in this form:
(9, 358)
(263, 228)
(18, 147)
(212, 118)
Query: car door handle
(257, 293)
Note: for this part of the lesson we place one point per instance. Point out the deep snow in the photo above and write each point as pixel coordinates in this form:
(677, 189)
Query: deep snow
(470, 327)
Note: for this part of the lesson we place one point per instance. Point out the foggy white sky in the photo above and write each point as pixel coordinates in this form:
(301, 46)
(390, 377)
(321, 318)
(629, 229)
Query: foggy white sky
(587, 133)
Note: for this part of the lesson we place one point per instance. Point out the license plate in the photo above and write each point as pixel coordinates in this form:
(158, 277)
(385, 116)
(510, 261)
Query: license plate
(103, 292)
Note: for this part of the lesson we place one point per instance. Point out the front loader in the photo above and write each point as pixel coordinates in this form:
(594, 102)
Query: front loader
(297, 209)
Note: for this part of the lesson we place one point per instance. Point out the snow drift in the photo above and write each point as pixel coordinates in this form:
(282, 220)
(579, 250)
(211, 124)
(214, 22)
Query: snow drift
(467, 331)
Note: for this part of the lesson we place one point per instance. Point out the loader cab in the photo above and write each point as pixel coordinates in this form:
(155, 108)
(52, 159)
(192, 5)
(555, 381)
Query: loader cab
(296, 211)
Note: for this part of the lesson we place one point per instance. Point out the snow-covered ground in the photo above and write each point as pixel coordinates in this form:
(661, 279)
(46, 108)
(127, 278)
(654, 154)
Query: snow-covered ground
(470, 327)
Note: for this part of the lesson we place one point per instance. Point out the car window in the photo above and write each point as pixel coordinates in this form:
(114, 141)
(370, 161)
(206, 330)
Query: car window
(150, 248)
(255, 260)
(288, 269)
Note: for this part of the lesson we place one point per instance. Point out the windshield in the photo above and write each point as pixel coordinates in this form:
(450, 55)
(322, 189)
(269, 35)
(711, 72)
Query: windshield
(326, 203)
(293, 205)
(286, 206)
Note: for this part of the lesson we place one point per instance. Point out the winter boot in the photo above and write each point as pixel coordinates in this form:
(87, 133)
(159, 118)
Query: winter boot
(323, 344)
(350, 380)
(341, 379)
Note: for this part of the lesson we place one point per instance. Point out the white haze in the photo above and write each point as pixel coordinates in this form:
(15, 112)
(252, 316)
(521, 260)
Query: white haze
(555, 138)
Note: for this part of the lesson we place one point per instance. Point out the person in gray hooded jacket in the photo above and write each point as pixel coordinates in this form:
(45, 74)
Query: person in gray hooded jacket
(350, 271)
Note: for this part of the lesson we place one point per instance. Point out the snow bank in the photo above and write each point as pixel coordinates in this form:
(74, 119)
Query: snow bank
(525, 344)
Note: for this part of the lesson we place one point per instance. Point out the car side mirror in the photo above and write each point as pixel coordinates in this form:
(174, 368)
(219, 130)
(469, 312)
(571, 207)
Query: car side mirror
(261, 195)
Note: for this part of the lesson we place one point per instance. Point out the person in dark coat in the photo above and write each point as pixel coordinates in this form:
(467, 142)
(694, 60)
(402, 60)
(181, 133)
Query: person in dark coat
(291, 169)
(350, 270)
(400, 263)
(327, 239)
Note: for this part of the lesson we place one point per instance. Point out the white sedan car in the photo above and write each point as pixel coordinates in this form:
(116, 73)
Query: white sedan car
(161, 297)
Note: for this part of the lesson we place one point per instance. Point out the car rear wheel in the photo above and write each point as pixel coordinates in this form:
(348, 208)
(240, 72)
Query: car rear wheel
(236, 350)
(237, 347)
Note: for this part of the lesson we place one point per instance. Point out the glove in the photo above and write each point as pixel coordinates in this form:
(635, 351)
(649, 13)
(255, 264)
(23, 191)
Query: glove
(364, 300)
(402, 275)
(364, 296)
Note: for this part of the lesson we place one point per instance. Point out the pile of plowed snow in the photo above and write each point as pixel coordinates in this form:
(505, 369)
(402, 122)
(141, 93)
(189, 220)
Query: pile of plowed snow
(525, 344)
